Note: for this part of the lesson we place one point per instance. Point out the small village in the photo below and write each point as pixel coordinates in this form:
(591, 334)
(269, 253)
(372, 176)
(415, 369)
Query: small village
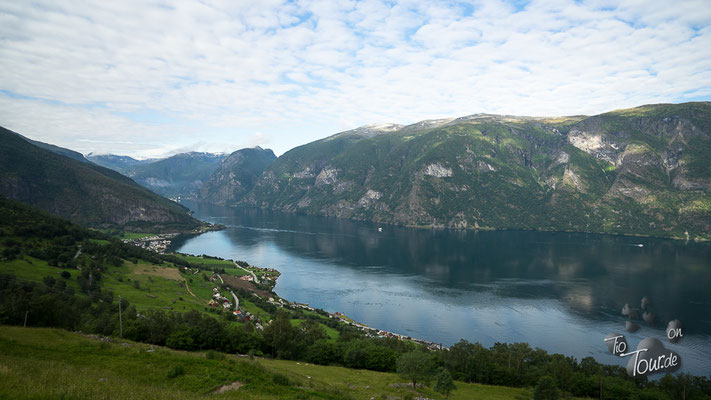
(157, 243)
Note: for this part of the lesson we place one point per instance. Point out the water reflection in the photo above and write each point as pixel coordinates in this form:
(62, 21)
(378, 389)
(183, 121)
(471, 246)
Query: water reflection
(559, 291)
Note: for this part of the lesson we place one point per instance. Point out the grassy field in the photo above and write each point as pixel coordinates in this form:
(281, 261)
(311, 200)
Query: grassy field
(227, 265)
(52, 363)
(32, 269)
(150, 286)
(332, 333)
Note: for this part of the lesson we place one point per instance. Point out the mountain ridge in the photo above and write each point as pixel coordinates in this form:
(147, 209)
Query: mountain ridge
(643, 170)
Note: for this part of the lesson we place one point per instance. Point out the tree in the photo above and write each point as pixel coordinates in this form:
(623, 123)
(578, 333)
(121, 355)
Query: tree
(445, 383)
(546, 389)
(282, 337)
(416, 366)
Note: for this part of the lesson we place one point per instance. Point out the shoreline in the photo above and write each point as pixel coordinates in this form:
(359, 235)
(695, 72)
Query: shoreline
(689, 238)
(279, 301)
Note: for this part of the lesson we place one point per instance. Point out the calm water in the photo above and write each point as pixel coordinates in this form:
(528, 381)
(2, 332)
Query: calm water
(559, 291)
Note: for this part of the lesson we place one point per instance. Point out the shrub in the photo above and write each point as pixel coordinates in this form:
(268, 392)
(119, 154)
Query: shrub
(280, 379)
(213, 355)
(176, 372)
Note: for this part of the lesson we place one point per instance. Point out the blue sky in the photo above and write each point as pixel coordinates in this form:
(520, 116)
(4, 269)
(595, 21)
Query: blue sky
(151, 79)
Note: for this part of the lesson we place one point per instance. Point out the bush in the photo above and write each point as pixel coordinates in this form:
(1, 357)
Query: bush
(213, 355)
(65, 275)
(176, 372)
(280, 379)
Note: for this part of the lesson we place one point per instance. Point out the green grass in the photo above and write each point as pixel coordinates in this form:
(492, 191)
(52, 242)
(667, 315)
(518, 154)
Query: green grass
(330, 332)
(52, 363)
(227, 265)
(364, 384)
(32, 269)
(153, 291)
(251, 307)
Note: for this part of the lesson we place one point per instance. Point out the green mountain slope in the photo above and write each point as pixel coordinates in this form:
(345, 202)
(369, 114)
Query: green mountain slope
(180, 175)
(82, 192)
(55, 149)
(236, 175)
(639, 171)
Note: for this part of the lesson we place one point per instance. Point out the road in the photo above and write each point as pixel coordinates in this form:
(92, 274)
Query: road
(246, 270)
(236, 300)
(78, 254)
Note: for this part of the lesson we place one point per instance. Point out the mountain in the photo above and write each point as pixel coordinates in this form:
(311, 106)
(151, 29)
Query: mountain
(645, 170)
(181, 175)
(54, 149)
(117, 163)
(82, 192)
(236, 175)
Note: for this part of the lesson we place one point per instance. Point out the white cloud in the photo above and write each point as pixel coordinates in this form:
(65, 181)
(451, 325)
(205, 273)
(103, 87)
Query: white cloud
(296, 71)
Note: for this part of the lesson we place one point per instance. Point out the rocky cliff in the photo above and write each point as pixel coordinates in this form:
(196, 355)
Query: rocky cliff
(236, 176)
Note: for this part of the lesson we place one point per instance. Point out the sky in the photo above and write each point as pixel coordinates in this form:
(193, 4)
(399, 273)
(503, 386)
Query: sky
(154, 78)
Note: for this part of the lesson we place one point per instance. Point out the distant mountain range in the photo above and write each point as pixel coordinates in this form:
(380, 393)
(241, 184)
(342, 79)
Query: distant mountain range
(181, 175)
(178, 176)
(117, 163)
(64, 184)
(645, 170)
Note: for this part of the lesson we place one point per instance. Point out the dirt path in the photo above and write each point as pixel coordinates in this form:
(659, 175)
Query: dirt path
(233, 386)
(189, 291)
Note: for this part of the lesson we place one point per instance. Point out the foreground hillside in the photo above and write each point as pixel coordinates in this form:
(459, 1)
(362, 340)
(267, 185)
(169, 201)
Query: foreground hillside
(640, 171)
(52, 363)
(81, 191)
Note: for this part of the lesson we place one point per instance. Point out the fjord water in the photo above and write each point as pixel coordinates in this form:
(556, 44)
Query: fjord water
(562, 292)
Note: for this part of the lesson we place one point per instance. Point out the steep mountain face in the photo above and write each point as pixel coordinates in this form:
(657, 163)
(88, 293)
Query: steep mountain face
(181, 175)
(236, 176)
(117, 163)
(82, 192)
(645, 170)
